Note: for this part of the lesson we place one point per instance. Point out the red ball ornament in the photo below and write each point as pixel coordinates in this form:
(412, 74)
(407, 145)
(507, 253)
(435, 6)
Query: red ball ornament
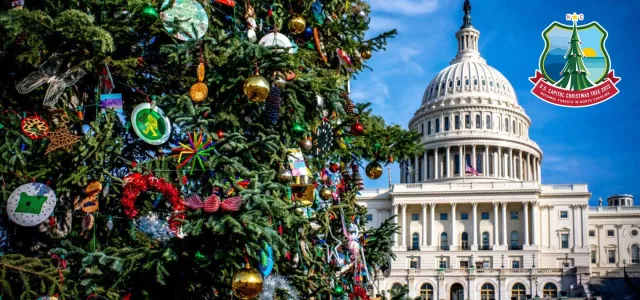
(220, 133)
(357, 129)
(334, 167)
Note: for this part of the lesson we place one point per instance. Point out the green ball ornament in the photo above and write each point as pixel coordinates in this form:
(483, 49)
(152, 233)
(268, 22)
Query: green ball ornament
(377, 146)
(200, 259)
(150, 14)
(298, 129)
(338, 290)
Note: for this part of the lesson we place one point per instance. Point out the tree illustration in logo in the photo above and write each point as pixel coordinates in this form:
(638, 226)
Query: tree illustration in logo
(575, 73)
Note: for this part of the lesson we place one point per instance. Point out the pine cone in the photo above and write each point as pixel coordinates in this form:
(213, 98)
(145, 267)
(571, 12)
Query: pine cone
(348, 104)
(273, 104)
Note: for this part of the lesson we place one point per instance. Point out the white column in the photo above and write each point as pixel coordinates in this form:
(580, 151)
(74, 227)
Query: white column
(485, 165)
(576, 225)
(529, 167)
(504, 224)
(448, 163)
(395, 220)
(525, 207)
(473, 157)
(496, 226)
(539, 173)
(535, 226)
(424, 166)
(500, 162)
(461, 160)
(454, 235)
(424, 225)
(436, 164)
(585, 225)
(474, 240)
(521, 166)
(404, 225)
(432, 218)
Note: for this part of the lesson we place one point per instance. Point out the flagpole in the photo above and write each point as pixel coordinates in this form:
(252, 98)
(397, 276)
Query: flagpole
(389, 172)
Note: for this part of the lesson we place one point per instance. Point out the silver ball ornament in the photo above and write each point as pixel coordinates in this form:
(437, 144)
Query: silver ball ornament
(286, 175)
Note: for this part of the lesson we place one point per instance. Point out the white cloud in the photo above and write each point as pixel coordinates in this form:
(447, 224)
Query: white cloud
(380, 24)
(375, 91)
(405, 7)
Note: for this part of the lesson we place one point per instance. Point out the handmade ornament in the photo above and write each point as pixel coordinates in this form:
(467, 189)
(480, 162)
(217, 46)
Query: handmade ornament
(357, 128)
(285, 175)
(199, 90)
(156, 228)
(303, 193)
(34, 127)
(274, 102)
(61, 138)
(136, 183)
(211, 204)
(275, 283)
(87, 222)
(297, 163)
(193, 201)
(323, 138)
(357, 177)
(196, 152)
(250, 21)
(266, 259)
(90, 203)
(113, 102)
(306, 144)
(256, 88)
(297, 25)
(246, 283)
(48, 72)
(31, 204)
(150, 124)
(149, 14)
(373, 170)
(317, 36)
(318, 12)
(277, 40)
(365, 54)
(343, 58)
(359, 293)
(186, 19)
(231, 204)
(325, 193)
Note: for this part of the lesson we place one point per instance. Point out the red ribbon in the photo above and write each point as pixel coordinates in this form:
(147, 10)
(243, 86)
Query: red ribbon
(601, 92)
(61, 264)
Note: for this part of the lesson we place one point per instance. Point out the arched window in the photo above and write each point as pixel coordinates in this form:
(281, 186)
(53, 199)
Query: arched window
(437, 125)
(518, 292)
(513, 127)
(458, 83)
(478, 122)
(487, 292)
(456, 164)
(467, 121)
(426, 291)
(506, 125)
(480, 163)
(457, 121)
(415, 241)
(466, 82)
(550, 290)
(488, 121)
(514, 240)
(450, 83)
(428, 127)
(635, 254)
(485, 240)
(475, 81)
(464, 241)
(444, 240)
(446, 123)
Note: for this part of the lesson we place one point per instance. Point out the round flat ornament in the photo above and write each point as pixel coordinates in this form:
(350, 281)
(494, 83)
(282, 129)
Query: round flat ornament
(186, 20)
(323, 138)
(276, 39)
(34, 127)
(31, 204)
(150, 124)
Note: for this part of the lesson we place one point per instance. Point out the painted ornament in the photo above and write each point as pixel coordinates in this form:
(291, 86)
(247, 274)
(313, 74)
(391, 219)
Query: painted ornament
(279, 40)
(151, 124)
(90, 203)
(266, 259)
(325, 194)
(317, 37)
(34, 127)
(186, 20)
(199, 90)
(31, 204)
(323, 138)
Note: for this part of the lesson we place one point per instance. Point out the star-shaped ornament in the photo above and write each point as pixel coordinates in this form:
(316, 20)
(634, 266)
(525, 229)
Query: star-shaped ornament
(61, 138)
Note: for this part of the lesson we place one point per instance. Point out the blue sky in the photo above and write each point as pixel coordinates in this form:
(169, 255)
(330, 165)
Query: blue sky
(595, 145)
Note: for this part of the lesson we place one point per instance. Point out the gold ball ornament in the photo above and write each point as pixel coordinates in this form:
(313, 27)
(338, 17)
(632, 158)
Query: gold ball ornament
(297, 25)
(246, 283)
(325, 194)
(199, 90)
(366, 54)
(306, 144)
(256, 88)
(373, 170)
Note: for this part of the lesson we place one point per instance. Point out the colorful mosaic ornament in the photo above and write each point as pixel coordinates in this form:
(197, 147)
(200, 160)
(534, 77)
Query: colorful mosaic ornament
(34, 127)
(323, 138)
(151, 124)
(186, 20)
(195, 152)
(31, 204)
(61, 138)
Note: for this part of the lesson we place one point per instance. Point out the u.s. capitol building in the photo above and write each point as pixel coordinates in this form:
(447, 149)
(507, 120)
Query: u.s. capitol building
(477, 222)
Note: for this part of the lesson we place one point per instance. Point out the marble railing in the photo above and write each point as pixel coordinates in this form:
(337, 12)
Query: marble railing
(606, 209)
(468, 186)
(481, 272)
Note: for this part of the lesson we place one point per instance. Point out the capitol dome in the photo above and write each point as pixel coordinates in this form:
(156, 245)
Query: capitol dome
(471, 123)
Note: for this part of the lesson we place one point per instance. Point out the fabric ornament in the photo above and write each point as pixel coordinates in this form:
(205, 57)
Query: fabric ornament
(61, 139)
(31, 204)
(275, 283)
(136, 183)
(48, 72)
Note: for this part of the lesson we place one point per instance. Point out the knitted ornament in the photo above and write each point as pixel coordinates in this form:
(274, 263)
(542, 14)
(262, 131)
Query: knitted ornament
(357, 178)
(273, 104)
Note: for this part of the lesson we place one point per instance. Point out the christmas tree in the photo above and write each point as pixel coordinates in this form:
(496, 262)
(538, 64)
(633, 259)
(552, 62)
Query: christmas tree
(575, 73)
(187, 149)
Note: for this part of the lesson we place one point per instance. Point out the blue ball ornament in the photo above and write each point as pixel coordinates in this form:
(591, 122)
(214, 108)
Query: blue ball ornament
(308, 32)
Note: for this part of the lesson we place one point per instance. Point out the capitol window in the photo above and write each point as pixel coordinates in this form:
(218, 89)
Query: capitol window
(488, 122)
(483, 82)
(514, 215)
(458, 83)
(464, 216)
(478, 122)
(487, 292)
(612, 256)
(515, 263)
(428, 127)
(635, 254)
(446, 123)
(634, 232)
(467, 121)
(611, 233)
(550, 290)
(564, 214)
(564, 241)
(415, 217)
(592, 233)
(506, 125)
(594, 256)
(457, 121)
(513, 126)
(484, 215)
(466, 82)
(443, 216)
(475, 81)
(437, 125)
(426, 291)
(518, 292)
(369, 217)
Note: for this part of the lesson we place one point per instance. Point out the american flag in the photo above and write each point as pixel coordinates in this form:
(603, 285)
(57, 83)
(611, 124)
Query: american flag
(471, 170)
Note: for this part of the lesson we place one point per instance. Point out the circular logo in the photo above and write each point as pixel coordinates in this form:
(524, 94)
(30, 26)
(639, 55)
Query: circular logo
(31, 204)
(151, 124)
